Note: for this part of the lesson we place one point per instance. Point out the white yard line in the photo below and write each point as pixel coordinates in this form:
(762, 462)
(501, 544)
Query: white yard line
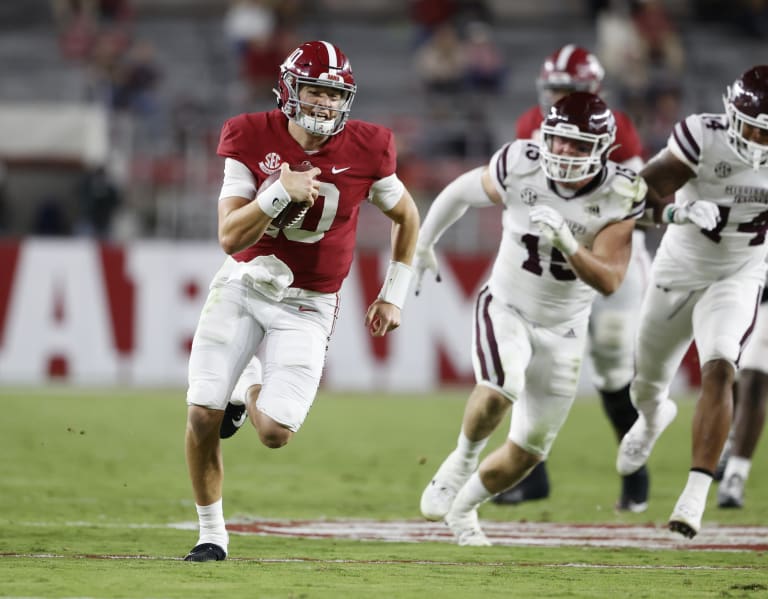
(512, 534)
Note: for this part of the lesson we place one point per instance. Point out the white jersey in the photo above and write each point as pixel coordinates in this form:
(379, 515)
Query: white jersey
(689, 257)
(529, 274)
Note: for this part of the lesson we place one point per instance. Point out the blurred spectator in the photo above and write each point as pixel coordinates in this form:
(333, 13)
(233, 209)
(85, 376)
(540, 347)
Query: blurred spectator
(260, 65)
(134, 81)
(262, 34)
(103, 68)
(639, 45)
(663, 47)
(80, 24)
(664, 111)
(441, 64)
(99, 199)
(429, 15)
(485, 64)
(621, 49)
(249, 23)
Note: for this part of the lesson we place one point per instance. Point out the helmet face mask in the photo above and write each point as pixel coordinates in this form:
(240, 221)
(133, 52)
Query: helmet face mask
(746, 106)
(583, 119)
(569, 69)
(320, 65)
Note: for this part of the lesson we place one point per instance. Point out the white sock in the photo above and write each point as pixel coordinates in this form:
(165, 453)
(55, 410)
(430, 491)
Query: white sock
(212, 526)
(469, 451)
(697, 486)
(737, 465)
(471, 495)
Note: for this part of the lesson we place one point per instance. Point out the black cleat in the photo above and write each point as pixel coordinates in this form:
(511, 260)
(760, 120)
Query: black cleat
(634, 492)
(682, 528)
(234, 418)
(206, 552)
(534, 486)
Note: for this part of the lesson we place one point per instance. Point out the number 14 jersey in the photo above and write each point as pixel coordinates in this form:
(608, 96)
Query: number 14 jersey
(693, 258)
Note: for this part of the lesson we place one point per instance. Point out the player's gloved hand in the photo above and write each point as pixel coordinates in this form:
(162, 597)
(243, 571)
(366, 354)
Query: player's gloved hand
(423, 260)
(633, 189)
(702, 213)
(552, 225)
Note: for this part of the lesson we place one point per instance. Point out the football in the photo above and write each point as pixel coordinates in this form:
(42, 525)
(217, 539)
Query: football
(289, 216)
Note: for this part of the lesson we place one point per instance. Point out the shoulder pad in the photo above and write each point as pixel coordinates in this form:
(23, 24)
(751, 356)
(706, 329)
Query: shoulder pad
(524, 157)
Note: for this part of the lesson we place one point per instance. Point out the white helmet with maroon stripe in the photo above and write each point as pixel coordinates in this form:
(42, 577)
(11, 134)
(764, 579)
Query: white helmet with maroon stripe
(746, 104)
(316, 63)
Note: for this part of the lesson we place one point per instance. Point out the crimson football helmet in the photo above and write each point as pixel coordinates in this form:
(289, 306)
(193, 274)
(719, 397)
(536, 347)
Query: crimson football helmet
(746, 103)
(315, 63)
(583, 118)
(569, 69)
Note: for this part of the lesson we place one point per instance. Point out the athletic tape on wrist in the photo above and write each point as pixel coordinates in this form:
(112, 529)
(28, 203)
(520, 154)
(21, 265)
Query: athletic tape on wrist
(668, 215)
(273, 199)
(569, 244)
(396, 284)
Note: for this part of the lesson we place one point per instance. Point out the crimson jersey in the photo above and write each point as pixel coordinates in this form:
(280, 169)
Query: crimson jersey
(630, 146)
(320, 250)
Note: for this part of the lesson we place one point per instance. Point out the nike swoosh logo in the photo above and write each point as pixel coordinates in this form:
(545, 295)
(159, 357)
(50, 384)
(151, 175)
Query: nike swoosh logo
(306, 309)
(336, 171)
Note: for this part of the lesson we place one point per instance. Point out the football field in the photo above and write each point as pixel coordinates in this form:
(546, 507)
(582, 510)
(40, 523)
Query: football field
(95, 502)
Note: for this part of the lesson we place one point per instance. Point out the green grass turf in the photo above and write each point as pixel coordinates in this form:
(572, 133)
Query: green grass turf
(81, 468)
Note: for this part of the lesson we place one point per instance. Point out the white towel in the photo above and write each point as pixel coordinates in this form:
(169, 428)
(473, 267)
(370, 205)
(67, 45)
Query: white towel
(267, 275)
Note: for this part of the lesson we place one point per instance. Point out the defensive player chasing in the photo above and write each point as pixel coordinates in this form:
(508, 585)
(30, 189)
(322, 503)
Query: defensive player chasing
(613, 319)
(567, 233)
(275, 297)
(706, 284)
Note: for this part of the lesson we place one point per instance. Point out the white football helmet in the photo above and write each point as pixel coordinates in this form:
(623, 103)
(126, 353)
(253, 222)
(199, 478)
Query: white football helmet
(746, 103)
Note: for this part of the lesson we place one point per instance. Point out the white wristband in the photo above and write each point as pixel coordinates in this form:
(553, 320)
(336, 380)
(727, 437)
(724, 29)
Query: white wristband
(273, 199)
(568, 244)
(396, 284)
